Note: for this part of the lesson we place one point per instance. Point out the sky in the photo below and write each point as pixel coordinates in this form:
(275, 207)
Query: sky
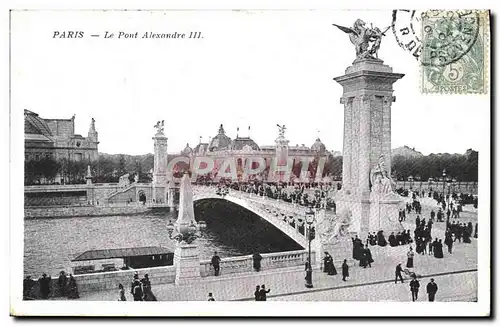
(251, 68)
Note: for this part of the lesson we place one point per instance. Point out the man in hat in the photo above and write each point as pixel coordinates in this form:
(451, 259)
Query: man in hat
(263, 293)
(414, 286)
(345, 270)
(136, 278)
(432, 288)
(399, 269)
(44, 286)
(216, 263)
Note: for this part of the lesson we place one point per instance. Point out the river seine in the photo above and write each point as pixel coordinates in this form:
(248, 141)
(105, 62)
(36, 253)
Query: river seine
(50, 244)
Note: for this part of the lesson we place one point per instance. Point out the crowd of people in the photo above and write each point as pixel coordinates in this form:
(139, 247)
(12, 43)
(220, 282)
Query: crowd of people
(304, 194)
(45, 287)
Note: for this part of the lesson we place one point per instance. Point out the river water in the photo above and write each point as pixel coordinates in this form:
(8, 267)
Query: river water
(50, 244)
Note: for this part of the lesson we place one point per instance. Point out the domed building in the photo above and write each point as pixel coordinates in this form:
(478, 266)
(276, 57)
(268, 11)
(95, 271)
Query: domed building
(244, 144)
(187, 150)
(220, 141)
(318, 146)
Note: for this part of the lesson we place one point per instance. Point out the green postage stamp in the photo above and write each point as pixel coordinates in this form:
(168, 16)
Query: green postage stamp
(455, 51)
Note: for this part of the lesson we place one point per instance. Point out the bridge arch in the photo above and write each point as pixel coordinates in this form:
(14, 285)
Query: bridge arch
(277, 216)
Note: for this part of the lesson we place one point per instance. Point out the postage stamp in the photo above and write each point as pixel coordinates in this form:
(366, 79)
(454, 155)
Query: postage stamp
(455, 52)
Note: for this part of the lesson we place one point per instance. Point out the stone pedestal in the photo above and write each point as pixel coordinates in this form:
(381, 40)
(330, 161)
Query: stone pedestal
(340, 250)
(367, 98)
(187, 263)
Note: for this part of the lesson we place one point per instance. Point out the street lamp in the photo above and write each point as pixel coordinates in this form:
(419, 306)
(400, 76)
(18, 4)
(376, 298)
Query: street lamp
(444, 179)
(310, 217)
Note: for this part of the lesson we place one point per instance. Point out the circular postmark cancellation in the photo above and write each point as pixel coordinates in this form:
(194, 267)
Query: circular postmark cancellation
(406, 27)
(447, 36)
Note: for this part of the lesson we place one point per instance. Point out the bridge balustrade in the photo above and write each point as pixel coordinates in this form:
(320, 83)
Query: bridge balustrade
(270, 261)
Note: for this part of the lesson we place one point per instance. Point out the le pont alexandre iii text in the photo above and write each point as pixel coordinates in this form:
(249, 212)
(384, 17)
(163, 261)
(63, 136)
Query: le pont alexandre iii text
(127, 35)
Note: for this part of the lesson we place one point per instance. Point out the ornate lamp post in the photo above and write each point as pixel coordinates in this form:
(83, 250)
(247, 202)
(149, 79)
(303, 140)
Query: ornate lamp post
(185, 234)
(444, 179)
(185, 231)
(310, 218)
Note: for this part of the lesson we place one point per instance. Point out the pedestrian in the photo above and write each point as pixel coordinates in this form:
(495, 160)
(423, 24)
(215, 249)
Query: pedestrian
(399, 269)
(256, 261)
(44, 282)
(146, 289)
(432, 288)
(121, 293)
(137, 291)
(136, 279)
(210, 297)
(414, 285)
(216, 263)
(257, 293)
(449, 242)
(431, 246)
(368, 257)
(410, 254)
(326, 259)
(72, 288)
(62, 283)
(345, 270)
(28, 284)
(263, 293)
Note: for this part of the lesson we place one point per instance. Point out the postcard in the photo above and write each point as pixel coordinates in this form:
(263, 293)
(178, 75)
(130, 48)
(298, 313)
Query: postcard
(193, 162)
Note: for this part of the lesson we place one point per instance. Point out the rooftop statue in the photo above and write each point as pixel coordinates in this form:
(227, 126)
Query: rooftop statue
(366, 40)
(281, 130)
(160, 126)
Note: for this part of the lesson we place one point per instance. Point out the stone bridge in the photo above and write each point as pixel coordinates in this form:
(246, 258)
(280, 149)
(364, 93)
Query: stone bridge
(288, 218)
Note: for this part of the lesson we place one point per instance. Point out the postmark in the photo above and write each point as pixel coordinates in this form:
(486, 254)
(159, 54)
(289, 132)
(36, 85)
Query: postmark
(454, 58)
(406, 29)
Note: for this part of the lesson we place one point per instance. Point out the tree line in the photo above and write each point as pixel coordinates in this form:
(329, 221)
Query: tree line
(109, 168)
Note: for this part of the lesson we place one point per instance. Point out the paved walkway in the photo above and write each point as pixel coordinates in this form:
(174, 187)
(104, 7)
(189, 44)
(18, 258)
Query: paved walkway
(291, 280)
(455, 273)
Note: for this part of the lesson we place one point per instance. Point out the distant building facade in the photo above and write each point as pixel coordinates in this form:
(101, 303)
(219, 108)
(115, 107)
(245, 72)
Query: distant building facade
(56, 139)
(221, 146)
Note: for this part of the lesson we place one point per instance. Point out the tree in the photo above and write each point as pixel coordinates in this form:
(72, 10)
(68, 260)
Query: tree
(121, 166)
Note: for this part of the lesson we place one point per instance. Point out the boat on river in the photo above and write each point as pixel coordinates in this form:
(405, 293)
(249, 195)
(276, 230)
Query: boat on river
(107, 260)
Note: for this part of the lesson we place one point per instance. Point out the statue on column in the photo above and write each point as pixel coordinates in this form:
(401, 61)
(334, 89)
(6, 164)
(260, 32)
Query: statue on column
(160, 125)
(281, 130)
(381, 182)
(366, 40)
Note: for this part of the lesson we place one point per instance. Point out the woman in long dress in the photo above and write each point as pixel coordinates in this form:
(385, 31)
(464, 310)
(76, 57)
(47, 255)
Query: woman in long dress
(121, 293)
(410, 254)
(438, 249)
(331, 267)
(72, 288)
(146, 288)
(325, 262)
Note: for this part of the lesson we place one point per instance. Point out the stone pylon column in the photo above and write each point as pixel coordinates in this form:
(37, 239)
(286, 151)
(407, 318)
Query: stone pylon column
(160, 179)
(367, 98)
(186, 255)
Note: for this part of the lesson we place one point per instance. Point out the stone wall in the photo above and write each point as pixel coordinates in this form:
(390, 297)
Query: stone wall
(242, 264)
(110, 280)
(166, 274)
(57, 211)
